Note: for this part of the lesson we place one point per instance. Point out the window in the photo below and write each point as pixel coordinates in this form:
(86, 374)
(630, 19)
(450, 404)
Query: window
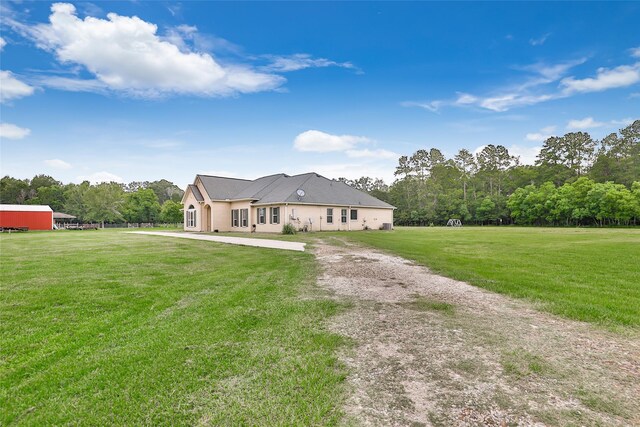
(275, 215)
(354, 214)
(191, 216)
(343, 216)
(244, 217)
(329, 215)
(235, 213)
(262, 215)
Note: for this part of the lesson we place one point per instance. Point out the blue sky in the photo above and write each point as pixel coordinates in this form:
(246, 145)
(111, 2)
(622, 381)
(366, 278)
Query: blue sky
(148, 90)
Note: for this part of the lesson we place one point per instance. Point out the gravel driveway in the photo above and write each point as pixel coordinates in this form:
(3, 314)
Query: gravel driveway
(429, 350)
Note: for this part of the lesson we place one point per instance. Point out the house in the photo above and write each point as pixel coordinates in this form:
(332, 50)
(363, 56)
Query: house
(308, 201)
(31, 217)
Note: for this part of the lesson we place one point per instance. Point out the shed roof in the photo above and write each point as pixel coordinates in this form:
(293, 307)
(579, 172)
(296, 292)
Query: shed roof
(62, 215)
(25, 208)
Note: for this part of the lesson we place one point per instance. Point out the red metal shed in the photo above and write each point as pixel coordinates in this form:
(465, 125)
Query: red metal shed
(34, 217)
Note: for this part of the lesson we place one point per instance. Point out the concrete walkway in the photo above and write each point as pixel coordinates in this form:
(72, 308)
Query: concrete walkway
(259, 243)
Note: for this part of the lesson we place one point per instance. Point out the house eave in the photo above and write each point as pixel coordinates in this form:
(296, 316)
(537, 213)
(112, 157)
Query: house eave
(324, 204)
(232, 200)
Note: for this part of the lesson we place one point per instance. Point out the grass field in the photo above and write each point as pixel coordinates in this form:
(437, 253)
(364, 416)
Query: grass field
(585, 274)
(107, 328)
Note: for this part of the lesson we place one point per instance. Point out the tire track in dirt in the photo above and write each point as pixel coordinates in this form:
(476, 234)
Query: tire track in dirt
(429, 350)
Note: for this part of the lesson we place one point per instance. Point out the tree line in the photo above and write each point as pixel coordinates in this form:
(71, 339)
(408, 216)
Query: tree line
(576, 180)
(136, 202)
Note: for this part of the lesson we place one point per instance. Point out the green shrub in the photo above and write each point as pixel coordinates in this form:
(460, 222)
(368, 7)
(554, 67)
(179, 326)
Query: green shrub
(288, 229)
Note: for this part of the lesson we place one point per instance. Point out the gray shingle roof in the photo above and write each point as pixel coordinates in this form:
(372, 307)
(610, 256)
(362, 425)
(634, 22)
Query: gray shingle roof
(196, 192)
(283, 188)
(220, 188)
(259, 186)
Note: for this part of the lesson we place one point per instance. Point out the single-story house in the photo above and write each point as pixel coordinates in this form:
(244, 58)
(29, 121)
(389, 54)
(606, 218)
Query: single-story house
(308, 201)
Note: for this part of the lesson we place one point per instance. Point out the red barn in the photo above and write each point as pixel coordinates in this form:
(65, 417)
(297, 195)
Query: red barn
(34, 217)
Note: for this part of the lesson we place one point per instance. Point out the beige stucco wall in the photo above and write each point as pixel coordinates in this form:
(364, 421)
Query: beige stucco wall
(191, 200)
(268, 228)
(220, 216)
(315, 218)
(239, 205)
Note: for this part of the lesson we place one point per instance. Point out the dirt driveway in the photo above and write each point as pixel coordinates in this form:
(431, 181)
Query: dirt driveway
(434, 351)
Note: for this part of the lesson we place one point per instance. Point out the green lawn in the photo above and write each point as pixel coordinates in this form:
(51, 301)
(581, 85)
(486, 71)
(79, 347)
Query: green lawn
(104, 328)
(586, 274)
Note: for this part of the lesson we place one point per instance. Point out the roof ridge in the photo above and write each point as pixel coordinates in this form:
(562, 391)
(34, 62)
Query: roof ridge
(226, 177)
(307, 173)
(311, 175)
(273, 174)
(271, 184)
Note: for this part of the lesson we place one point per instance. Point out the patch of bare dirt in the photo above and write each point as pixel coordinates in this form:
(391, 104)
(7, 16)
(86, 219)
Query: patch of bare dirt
(429, 350)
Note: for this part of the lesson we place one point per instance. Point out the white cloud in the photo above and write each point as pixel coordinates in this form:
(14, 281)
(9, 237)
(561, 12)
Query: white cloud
(635, 95)
(586, 123)
(300, 61)
(542, 135)
(12, 88)
(624, 122)
(590, 123)
(621, 76)
(525, 93)
(507, 101)
(73, 85)
(548, 73)
(635, 52)
(57, 164)
(372, 154)
(3, 43)
(322, 142)
(98, 177)
(537, 136)
(527, 155)
(540, 40)
(11, 131)
(465, 98)
(351, 170)
(433, 106)
(479, 150)
(538, 86)
(125, 54)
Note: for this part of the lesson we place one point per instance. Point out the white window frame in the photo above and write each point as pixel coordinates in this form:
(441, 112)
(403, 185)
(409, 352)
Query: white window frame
(191, 217)
(244, 217)
(343, 216)
(351, 214)
(235, 217)
(329, 215)
(262, 215)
